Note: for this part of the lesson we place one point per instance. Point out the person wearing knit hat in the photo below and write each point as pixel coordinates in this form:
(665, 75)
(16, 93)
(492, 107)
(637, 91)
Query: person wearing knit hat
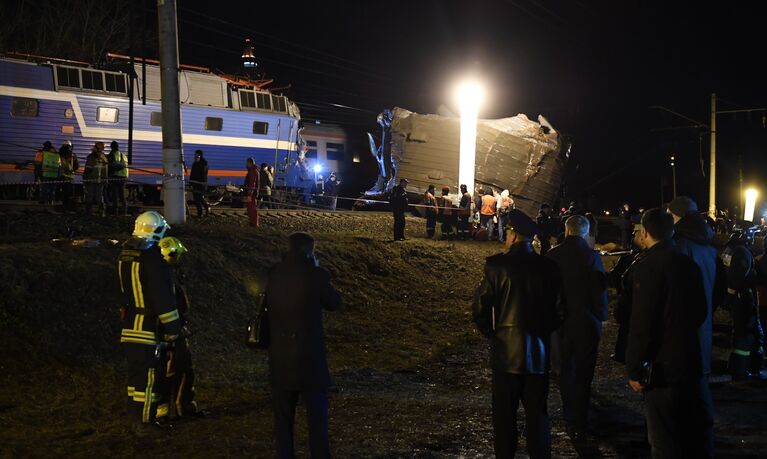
(681, 206)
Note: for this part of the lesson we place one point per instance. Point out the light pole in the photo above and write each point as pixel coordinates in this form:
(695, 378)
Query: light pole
(673, 175)
(751, 195)
(470, 95)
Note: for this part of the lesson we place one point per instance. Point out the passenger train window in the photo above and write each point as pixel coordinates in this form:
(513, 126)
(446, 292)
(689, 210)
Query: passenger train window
(264, 101)
(115, 83)
(335, 151)
(107, 114)
(278, 102)
(259, 127)
(68, 77)
(214, 124)
(93, 80)
(155, 119)
(23, 106)
(312, 144)
(247, 99)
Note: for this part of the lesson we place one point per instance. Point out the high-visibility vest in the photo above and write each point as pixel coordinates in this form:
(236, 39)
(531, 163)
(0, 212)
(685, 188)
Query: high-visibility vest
(68, 167)
(488, 205)
(122, 160)
(51, 164)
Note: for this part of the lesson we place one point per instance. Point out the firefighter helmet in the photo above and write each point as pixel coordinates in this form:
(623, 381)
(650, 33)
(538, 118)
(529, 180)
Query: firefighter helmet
(172, 249)
(151, 226)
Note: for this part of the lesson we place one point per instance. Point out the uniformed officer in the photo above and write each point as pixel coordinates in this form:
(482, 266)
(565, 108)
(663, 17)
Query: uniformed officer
(179, 368)
(150, 320)
(747, 332)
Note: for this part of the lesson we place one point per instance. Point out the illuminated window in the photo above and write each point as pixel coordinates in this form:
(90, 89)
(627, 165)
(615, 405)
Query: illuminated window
(24, 107)
(261, 128)
(107, 114)
(155, 119)
(312, 153)
(214, 124)
(335, 151)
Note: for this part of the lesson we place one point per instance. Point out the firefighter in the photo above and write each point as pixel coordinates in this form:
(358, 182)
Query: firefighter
(179, 369)
(150, 321)
(747, 331)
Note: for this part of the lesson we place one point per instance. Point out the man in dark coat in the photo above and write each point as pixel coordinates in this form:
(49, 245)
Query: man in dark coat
(663, 356)
(515, 307)
(297, 291)
(464, 214)
(398, 202)
(747, 333)
(693, 237)
(199, 179)
(584, 301)
(547, 227)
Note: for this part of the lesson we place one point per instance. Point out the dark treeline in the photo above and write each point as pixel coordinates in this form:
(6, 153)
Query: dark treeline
(82, 30)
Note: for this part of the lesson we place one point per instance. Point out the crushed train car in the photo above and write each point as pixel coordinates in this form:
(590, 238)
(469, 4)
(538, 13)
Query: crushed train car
(526, 157)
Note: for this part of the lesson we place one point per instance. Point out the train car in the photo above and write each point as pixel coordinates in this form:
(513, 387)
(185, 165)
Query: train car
(230, 121)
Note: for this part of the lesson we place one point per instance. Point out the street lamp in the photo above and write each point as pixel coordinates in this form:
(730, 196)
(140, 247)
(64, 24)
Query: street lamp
(469, 94)
(751, 195)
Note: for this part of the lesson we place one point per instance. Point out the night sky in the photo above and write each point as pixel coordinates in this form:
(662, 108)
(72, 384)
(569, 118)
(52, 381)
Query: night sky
(592, 68)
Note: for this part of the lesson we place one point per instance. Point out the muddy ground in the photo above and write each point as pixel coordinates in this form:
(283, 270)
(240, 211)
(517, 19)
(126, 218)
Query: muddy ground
(409, 369)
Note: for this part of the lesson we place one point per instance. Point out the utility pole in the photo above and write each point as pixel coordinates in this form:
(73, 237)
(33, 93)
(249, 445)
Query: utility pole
(673, 176)
(740, 184)
(172, 151)
(712, 169)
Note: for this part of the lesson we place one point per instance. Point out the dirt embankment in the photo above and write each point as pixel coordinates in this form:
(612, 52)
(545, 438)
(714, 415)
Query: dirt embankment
(408, 366)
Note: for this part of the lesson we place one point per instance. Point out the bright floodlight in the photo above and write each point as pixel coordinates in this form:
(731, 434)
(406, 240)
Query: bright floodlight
(470, 95)
(317, 168)
(751, 195)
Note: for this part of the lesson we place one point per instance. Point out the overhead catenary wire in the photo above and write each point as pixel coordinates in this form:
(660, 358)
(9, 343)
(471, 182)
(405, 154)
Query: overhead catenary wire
(376, 71)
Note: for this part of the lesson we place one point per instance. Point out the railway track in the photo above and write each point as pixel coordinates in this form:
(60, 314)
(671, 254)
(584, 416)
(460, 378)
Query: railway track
(11, 207)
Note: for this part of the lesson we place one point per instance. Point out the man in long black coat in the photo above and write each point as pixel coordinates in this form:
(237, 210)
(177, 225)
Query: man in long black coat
(668, 306)
(297, 292)
(515, 307)
(584, 301)
(693, 237)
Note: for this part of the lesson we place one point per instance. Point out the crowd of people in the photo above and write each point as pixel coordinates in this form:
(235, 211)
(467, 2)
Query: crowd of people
(154, 315)
(543, 316)
(104, 177)
(541, 309)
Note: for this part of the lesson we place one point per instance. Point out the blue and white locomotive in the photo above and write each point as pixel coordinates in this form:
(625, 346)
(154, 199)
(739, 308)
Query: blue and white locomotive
(230, 121)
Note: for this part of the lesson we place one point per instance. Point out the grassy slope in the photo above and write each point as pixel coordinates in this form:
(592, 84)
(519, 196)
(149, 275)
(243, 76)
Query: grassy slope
(405, 305)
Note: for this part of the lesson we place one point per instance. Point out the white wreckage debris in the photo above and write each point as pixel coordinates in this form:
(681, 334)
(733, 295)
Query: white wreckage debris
(523, 156)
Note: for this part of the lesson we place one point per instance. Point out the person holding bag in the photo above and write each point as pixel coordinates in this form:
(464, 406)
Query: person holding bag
(297, 291)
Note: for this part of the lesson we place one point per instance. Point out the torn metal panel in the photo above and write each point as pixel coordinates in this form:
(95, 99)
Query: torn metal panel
(523, 156)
